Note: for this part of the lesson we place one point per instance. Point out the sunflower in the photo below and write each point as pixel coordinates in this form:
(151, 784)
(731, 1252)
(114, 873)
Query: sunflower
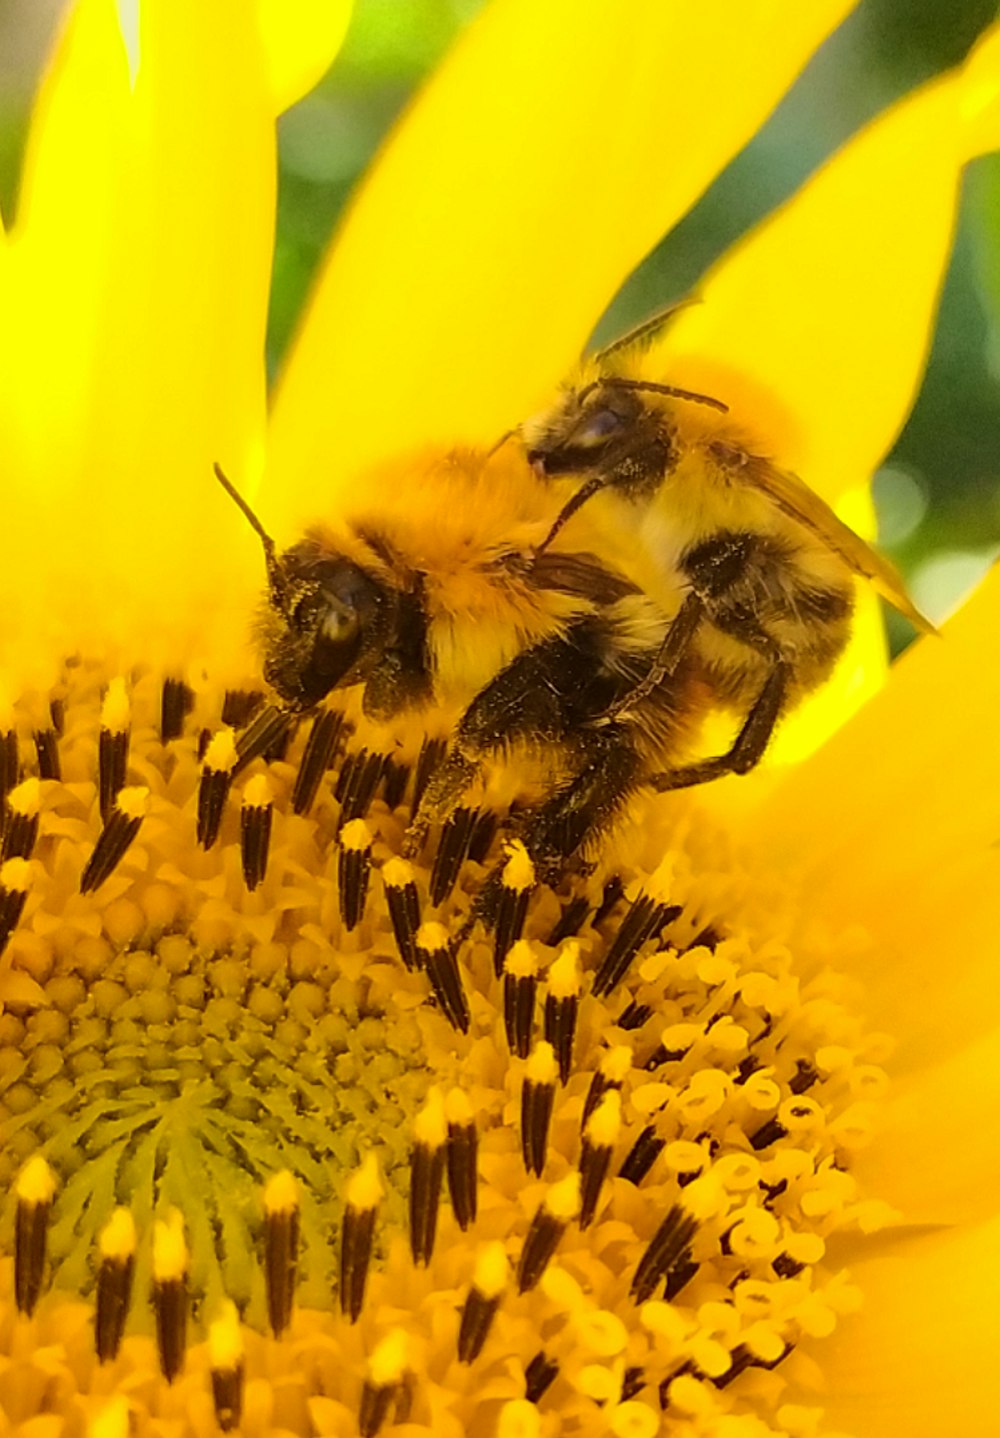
(274, 1157)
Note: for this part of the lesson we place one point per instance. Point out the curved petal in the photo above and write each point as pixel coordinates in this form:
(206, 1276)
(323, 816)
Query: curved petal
(920, 1358)
(142, 314)
(301, 38)
(822, 317)
(554, 148)
(893, 828)
(936, 1158)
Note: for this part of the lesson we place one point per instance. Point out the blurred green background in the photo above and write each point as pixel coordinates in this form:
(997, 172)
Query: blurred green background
(938, 494)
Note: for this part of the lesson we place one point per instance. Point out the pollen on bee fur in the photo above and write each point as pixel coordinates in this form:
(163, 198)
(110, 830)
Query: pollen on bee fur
(284, 1143)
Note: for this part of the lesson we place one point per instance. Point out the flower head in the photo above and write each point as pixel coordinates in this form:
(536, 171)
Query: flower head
(279, 1148)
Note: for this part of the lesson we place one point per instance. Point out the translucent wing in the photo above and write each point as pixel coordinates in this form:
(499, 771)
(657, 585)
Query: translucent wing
(802, 504)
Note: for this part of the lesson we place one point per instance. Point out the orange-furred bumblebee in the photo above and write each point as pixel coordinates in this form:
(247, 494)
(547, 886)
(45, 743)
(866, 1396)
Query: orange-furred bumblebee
(436, 600)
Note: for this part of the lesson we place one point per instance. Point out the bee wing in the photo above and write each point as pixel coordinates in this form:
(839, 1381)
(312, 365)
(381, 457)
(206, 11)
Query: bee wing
(804, 505)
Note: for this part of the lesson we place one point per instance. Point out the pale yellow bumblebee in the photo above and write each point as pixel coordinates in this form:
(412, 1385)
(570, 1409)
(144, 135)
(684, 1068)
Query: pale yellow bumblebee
(756, 569)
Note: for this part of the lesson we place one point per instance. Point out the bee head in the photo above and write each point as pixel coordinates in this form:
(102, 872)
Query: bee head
(326, 621)
(614, 430)
(607, 429)
(326, 624)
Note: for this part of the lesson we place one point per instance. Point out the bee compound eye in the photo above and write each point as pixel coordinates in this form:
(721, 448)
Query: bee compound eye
(598, 426)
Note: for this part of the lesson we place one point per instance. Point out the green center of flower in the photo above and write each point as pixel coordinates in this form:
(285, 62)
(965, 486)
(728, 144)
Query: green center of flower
(596, 1147)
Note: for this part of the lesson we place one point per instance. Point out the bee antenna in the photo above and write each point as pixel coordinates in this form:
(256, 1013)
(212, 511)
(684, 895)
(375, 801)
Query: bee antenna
(618, 382)
(508, 434)
(274, 570)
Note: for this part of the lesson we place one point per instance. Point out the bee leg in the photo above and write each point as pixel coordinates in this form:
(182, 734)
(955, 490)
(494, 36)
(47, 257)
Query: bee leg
(749, 745)
(445, 788)
(588, 805)
(678, 637)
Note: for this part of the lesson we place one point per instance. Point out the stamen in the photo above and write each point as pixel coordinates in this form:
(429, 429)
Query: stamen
(452, 849)
(57, 714)
(558, 1208)
(403, 903)
(281, 1248)
(217, 775)
(614, 892)
(47, 750)
(665, 1248)
(10, 764)
(170, 1293)
(645, 918)
(517, 881)
(395, 777)
(562, 1003)
(269, 729)
(35, 1189)
(679, 1275)
(520, 982)
(116, 1244)
(15, 881)
(435, 954)
(462, 1153)
(316, 758)
(239, 706)
(116, 837)
(112, 745)
(226, 1362)
(364, 1194)
(599, 1138)
(256, 816)
(489, 1279)
(482, 835)
(642, 1155)
(386, 1369)
(634, 1015)
(354, 867)
(570, 920)
(21, 829)
(431, 755)
(538, 1093)
(770, 1133)
(611, 1073)
(176, 703)
(362, 779)
(539, 1376)
(430, 1130)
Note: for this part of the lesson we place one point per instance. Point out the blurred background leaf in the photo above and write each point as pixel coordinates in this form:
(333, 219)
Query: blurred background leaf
(938, 494)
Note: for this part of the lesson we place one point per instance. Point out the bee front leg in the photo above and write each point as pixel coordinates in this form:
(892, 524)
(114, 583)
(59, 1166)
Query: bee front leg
(445, 788)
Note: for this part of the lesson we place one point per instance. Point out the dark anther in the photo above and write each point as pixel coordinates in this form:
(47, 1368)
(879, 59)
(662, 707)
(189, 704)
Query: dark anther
(316, 758)
(176, 703)
(452, 849)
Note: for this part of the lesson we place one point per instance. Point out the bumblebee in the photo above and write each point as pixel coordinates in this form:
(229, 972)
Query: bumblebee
(764, 570)
(438, 600)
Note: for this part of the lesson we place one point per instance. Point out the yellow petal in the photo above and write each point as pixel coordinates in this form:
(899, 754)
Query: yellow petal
(554, 148)
(822, 317)
(301, 38)
(920, 1358)
(893, 826)
(935, 1158)
(142, 314)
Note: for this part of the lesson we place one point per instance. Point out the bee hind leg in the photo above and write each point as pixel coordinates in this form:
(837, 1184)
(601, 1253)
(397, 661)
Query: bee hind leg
(748, 746)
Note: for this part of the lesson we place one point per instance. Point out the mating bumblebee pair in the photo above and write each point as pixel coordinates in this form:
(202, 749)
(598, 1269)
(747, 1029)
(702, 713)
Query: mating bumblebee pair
(576, 601)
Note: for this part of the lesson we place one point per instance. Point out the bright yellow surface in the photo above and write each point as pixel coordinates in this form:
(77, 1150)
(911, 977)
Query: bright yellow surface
(300, 39)
(920, 1358)
(137, 283)
(552, 151)
(893, 826)
(823, 316)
